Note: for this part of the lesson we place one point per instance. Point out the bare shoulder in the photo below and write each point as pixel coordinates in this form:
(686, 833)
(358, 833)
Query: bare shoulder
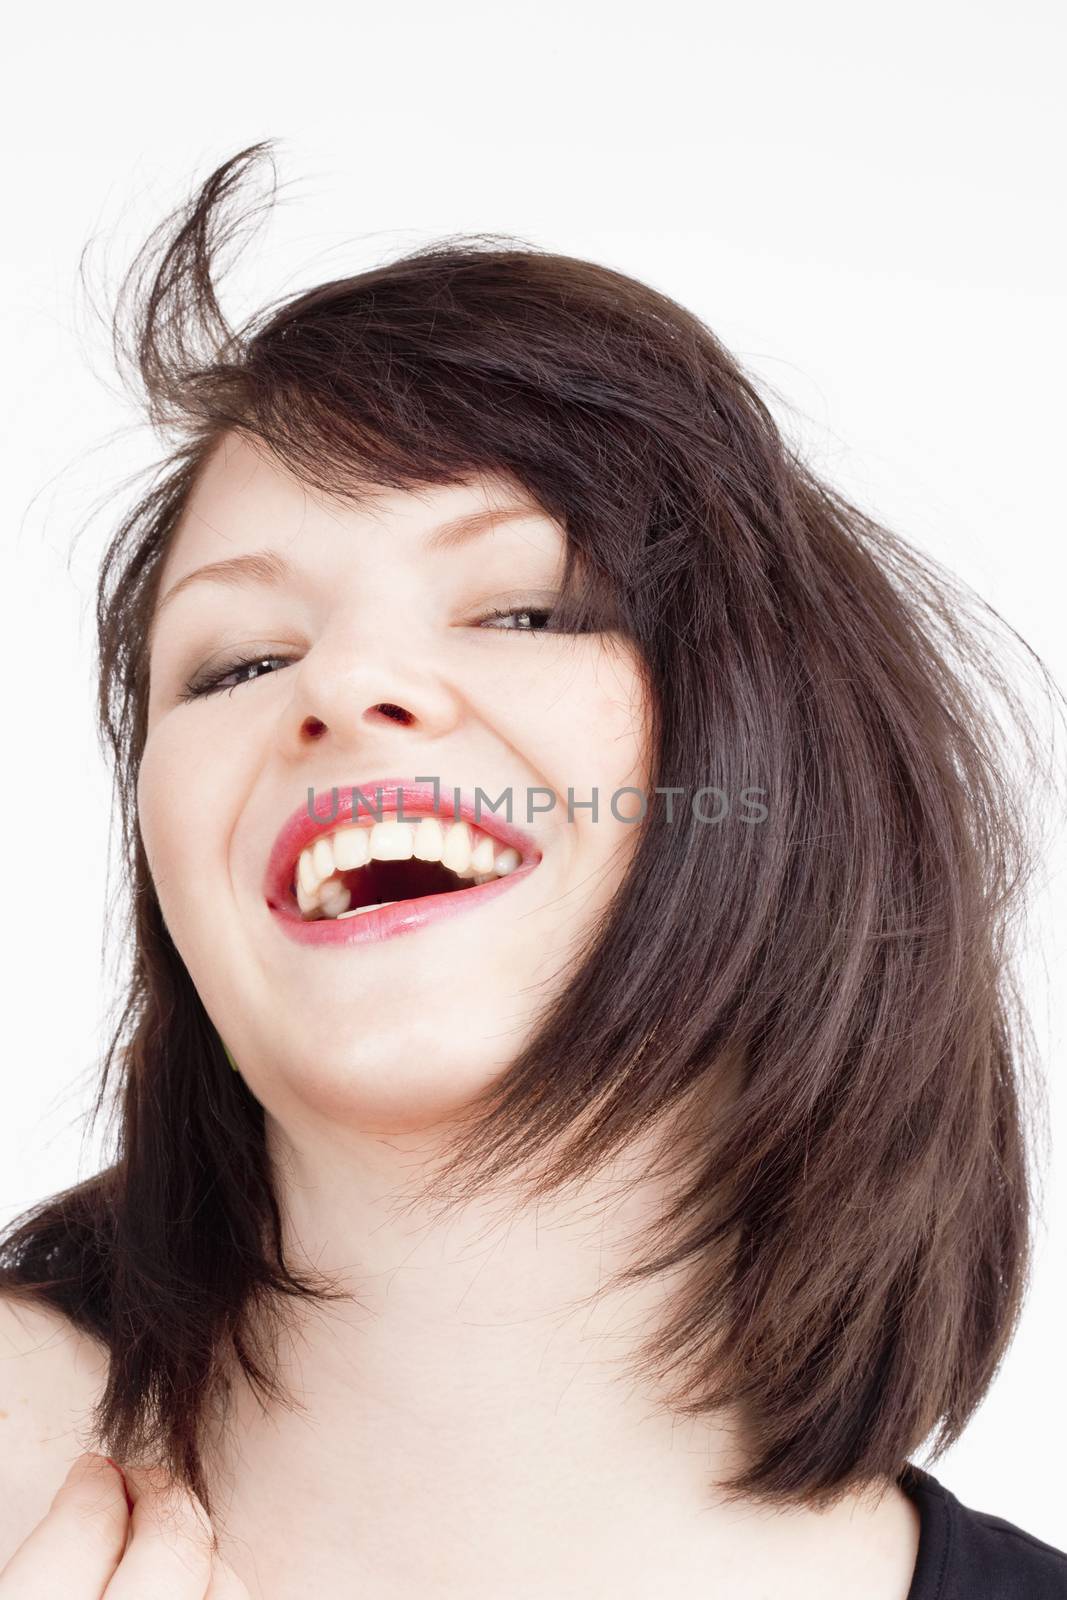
(51, 1375)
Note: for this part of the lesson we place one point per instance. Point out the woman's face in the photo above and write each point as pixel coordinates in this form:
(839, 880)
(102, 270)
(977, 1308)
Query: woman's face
(371, 1019)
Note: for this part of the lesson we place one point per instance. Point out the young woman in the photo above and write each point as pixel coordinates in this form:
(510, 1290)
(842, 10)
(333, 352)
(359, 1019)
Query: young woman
(571, 1135)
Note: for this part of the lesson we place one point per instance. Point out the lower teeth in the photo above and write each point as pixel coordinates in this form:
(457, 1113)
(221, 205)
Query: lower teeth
(358, 912)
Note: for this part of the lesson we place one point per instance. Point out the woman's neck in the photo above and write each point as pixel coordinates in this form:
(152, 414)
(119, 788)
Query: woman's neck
(469, 1424)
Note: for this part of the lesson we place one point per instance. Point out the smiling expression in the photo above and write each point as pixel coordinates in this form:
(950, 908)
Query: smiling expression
(347, 645)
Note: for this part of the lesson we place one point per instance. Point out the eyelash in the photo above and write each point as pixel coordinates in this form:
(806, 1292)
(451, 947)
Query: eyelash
(195, 689)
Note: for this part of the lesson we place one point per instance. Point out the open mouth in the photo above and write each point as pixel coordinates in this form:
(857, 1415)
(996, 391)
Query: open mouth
(360, 868)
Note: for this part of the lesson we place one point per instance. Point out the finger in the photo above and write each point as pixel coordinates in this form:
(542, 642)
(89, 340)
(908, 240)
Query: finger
(171, 1546)
(225, 1584)
(77, 1545)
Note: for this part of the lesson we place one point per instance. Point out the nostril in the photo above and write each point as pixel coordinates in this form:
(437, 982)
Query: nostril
(397, 713)
(313, 726)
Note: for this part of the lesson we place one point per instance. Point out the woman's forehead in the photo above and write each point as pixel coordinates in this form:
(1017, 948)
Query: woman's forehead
(246, 500)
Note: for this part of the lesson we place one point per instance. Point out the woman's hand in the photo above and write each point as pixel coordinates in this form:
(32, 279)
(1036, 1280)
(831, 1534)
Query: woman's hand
(93, 1542)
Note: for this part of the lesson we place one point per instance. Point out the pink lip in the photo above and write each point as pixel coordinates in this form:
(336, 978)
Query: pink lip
(415, 799)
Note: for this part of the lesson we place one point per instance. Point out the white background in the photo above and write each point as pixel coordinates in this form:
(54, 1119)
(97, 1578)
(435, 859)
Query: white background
(862, 202)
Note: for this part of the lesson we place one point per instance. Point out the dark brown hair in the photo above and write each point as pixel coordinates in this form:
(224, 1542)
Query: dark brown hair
(855, 1218)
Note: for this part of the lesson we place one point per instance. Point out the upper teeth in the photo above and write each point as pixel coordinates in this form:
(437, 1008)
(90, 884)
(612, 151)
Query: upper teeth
(466, 850)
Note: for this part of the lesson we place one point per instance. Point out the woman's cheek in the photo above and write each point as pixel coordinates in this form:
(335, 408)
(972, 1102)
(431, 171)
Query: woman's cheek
(182, 812)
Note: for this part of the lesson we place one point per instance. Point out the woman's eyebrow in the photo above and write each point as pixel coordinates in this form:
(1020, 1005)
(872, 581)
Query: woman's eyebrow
(473, 523)
(256, 566)
(268, 567)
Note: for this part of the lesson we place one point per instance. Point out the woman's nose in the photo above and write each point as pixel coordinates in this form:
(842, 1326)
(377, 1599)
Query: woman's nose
(357, 693)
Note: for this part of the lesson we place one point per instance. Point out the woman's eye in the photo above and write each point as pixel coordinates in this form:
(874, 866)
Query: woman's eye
(519, 619)
(531, 619)
(222, 679)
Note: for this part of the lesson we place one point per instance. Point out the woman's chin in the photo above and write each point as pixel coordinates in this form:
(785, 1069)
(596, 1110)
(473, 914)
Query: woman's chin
(405, 1081)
